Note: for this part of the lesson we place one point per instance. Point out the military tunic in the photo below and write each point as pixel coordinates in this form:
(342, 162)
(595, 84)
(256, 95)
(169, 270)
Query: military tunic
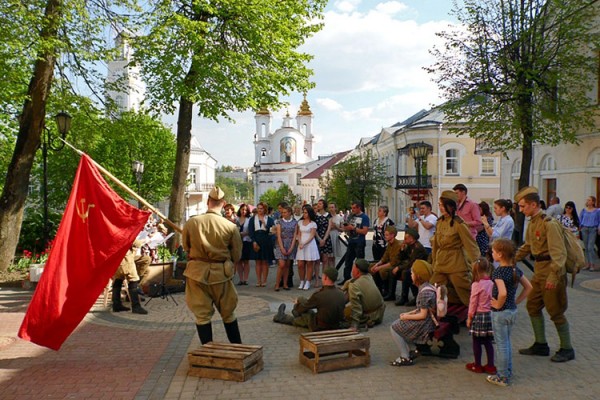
(392, 256)
(366, 303)
(127, 269)
(545, 240)
(329, 302)
(213, 245)
(453, 249)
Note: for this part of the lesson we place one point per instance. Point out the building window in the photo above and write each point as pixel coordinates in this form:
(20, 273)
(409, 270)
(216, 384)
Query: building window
(488, 166)
(192, 177)
(550, 189)
(298, 179)
(452, 162)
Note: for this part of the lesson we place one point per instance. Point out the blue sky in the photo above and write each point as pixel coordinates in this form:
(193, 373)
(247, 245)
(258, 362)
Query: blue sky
(368, 70)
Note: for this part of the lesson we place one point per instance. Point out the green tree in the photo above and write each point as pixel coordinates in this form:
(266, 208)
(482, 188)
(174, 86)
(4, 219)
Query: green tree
(236, 190)
(359, 177)
(520, 71)
(41, 39)
(284, 193)
(221, 56)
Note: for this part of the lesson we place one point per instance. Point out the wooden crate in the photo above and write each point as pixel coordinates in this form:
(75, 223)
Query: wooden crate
(226, 361)
(334, 350)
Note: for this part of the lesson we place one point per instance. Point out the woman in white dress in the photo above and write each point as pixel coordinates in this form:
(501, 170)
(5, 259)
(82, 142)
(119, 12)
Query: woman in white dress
(308, 251)
(336, 222)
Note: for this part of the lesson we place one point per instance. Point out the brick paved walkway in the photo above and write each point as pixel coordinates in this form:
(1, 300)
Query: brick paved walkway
(127, 356)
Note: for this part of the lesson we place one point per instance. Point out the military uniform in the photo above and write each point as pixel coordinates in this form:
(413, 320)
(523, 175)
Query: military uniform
(128, 270)
(213, 245)
(408, 256)
(366, 306)
(391, 256)
(449, 246)
(329, 302)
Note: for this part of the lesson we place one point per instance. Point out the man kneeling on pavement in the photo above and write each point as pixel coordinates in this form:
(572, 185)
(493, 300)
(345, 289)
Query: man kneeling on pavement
(329, 302)
(366, 306)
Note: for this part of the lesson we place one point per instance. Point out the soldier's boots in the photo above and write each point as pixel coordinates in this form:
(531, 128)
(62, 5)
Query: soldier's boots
(563, 355)
(205, 333)
(391, 288)
(537, 349)
(402, 300)
(136, 307)
(117, 305)
(281, 317)
(233, 332)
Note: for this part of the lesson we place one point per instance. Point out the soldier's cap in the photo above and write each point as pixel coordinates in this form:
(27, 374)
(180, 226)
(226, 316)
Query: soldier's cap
(216, 193)
(412, 232)
(450, 195)
(391, 229)
(524, 192)
(331, 273)
(362, 265)
(423, 270)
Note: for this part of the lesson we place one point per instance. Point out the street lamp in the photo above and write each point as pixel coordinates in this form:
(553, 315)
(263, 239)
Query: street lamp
(138, 170)
(419, 151)
(312, 199)
(63, 122)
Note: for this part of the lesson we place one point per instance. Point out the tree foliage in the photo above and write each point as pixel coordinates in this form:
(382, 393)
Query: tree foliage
(517, 72)
(359, 177)
(283, 194)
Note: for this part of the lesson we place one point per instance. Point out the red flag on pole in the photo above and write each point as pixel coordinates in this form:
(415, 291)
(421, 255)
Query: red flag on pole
(97, 229)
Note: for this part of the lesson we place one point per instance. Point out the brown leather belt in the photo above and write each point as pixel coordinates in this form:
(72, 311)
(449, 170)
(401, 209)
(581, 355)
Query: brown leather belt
(542, 257)
(206, 260)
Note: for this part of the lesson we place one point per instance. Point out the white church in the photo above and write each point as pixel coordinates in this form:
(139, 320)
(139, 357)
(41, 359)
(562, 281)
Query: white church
(201, 171)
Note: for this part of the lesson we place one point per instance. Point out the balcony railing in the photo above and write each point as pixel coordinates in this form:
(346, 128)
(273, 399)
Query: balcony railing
(413, 182)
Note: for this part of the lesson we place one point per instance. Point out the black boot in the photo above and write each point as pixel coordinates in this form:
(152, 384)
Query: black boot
(205, 333)
(391, 288)
(117, 306)
(379, 283)
(402, 300)
(136, 307)
(233, 332)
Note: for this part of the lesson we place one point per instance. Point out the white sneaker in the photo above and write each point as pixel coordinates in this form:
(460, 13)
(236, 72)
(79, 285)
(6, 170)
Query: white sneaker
(306, 285)
(301, 285)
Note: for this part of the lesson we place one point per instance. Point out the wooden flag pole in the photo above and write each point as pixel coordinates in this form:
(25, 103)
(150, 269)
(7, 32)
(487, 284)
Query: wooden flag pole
(127, 189)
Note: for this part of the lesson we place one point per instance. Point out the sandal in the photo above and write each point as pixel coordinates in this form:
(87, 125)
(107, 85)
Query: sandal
(404, 362)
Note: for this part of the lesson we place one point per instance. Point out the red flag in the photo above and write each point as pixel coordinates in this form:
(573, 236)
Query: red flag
(97, 229)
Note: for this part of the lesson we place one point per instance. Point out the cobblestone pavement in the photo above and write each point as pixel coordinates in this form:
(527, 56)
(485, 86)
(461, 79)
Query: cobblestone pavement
(128, 356)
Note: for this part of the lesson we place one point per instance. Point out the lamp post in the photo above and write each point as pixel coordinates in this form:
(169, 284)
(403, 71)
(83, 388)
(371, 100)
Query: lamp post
(63, 122)
(419, 151)
(312, 199)
(138, 170)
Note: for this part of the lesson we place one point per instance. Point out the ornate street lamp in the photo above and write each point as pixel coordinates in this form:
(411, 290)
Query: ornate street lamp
(419, 151)
(138, 170)
(63, 122)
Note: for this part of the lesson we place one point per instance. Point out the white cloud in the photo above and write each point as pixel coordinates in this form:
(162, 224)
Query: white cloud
(391, 7)
(346, 6)
(329, 104)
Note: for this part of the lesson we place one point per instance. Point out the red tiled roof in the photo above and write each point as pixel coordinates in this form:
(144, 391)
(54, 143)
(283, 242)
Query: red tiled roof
(317, 172)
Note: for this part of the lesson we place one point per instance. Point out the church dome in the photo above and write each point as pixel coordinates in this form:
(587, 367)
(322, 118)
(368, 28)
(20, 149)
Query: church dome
(305, 108)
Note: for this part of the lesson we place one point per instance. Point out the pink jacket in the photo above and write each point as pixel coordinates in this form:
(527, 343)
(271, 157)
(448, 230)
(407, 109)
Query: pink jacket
(469, 211)
(481, 296)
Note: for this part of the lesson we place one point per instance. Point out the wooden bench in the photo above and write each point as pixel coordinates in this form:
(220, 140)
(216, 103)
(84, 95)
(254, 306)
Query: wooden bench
(334, 350)
(226, 361)
(442, 342)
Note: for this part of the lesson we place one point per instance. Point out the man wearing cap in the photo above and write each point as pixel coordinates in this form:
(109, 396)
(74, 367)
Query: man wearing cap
(468, 210)
(453, 249)
(544, 241)
(425, 224)
(329, 302)
(366, 306)
(412, 250)
(127, 270)
(390, 259)
(213, 245)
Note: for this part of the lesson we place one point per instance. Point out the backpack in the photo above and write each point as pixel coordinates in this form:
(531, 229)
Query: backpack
(441, 302)
(575, 257)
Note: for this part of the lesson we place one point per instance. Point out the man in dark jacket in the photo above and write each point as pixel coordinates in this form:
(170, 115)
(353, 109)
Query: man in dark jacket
(413, 250)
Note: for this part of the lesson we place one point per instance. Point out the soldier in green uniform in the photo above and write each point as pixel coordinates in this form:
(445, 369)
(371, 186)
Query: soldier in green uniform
(390, 259)
(545, 243)
(412, 250)
(366, 306)
(453, 249)
(329, 302)
(127, 270)
(213, 244)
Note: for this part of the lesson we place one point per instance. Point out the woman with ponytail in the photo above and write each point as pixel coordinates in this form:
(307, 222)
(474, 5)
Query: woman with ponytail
(453, 251)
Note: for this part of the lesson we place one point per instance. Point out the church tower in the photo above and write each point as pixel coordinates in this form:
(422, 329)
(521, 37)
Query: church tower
(130, 92)
(304, 120)
(262, 143)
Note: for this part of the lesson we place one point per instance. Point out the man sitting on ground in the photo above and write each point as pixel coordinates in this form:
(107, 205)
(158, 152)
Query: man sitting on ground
(412, 250)
(366, 306)
(329, 302)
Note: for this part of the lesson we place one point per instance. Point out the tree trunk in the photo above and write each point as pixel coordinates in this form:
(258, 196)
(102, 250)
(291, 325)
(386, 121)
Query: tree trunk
(31, 124)
(182, 162)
